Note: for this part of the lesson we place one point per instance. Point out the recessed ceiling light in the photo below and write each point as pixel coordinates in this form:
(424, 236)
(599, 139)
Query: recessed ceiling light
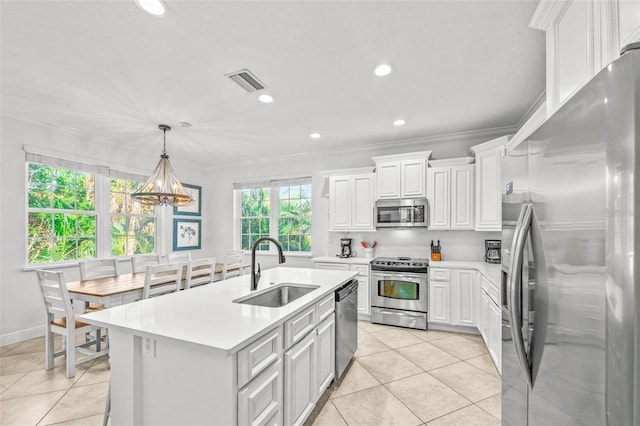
(315, 135)
(382, 70)
(399, 122)
(267, 99)
(153, 7)
(184, 124)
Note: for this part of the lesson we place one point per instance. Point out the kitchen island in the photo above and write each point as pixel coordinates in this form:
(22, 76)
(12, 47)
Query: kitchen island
(198, 357)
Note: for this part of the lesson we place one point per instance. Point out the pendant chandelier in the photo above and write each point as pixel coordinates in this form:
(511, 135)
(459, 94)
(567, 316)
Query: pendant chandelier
(163, 188)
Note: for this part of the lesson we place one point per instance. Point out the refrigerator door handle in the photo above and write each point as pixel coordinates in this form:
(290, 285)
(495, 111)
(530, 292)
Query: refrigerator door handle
(515, 283)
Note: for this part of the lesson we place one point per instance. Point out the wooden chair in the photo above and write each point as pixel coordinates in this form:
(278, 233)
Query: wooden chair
(139, 262)
(97, 268)
(162, 279)
(232, 264)
(200, 271)
(62, 320)
(179, 256)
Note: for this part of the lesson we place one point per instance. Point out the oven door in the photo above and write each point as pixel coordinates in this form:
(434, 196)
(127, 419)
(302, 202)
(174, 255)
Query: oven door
(399, 290)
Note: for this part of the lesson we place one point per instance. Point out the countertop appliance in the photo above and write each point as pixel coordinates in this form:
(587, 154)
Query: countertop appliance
(571, 329)
(401, 213)
(345, 248)
(492, 251)
(399, 288)
(346, 325)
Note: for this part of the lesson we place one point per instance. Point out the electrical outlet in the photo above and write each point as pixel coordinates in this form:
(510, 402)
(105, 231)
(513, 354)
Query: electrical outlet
(149, 347)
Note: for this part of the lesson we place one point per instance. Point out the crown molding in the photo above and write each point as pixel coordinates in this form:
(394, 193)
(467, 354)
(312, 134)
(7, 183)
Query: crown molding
(548, 13)
(407, 145)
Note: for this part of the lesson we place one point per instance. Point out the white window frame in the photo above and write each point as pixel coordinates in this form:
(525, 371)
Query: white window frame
(102, 188)
(274, 202)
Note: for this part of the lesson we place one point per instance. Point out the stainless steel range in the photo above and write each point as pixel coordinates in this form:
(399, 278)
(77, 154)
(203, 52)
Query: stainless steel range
(399, 291)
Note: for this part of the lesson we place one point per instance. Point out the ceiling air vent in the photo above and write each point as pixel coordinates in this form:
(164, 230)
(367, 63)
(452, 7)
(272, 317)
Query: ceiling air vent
(246, 80)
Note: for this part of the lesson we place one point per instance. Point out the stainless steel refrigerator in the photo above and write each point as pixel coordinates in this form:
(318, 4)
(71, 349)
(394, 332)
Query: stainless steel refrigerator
(571, 310)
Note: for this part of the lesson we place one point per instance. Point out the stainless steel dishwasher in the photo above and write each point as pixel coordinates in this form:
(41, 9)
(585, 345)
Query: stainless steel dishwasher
(346, 325)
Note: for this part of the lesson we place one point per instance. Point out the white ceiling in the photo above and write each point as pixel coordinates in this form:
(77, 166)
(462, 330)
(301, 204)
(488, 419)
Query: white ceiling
(112, 73)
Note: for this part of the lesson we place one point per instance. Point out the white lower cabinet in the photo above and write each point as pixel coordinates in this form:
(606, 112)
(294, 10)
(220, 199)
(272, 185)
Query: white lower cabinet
(309, 367)
(453, 296)
(464, 295)
(260, 402)
(440, 302)
(364, 283)
(490, 321)
(300, 371)
(494, 334)
(279, 389)
(326, 344)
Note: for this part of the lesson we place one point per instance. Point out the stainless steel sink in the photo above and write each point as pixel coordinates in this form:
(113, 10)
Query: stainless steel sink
(277, 296)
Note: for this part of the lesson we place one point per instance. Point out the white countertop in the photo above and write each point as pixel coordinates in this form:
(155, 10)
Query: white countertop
(348, 260)
(206, 315)
(490, 270)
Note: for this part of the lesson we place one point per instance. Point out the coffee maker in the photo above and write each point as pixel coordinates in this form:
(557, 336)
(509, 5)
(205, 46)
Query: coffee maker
(345, 247)
(492, 251)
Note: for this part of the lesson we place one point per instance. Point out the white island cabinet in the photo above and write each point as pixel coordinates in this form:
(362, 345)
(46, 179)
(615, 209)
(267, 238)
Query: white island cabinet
(196, 357)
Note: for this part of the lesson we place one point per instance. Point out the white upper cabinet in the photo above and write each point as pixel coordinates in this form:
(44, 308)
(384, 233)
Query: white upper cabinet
(388, 180)
(439, 195)
(582, 37)
(402, 176)
(351, 202)
(450, 191)
(487, 185)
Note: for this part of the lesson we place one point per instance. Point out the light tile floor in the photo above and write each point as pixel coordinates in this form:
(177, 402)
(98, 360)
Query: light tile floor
(399, 377)
(412, 377)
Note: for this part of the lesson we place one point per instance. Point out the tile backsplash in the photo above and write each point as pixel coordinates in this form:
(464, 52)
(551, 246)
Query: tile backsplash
(456, 245)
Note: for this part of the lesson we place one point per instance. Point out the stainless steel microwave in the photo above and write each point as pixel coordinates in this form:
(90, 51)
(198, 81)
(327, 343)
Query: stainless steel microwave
(401, 213)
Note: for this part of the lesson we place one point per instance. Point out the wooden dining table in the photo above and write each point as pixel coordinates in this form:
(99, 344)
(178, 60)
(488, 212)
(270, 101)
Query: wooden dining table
(120, 289)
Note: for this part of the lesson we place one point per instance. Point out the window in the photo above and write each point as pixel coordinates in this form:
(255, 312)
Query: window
(294, 217)
(133, 225)
(279, 209)
(62, 217)
(79, 211)
(255, 216)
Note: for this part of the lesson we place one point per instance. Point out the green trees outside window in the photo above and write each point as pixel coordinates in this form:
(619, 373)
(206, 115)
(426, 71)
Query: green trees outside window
(62, 218)
(133, 225)
(281, 212)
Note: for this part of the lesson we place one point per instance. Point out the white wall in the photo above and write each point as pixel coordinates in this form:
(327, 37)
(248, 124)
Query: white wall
(21, 308)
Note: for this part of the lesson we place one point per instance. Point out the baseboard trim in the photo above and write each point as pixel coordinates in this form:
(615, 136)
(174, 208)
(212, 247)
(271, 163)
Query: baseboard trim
(453, 328)
(22, 335)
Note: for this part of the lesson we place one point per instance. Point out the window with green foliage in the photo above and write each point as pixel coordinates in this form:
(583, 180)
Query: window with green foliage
(77, 211)
(294, 217)
(281, 211)
(133, 225)
(62, 217)
(255, 216)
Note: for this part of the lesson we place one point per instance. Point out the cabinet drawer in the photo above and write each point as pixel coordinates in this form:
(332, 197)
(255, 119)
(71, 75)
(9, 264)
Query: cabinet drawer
(260, 402)
(333, 266)
(361, 269)
(326, 307)
(297, 327)
(439, 274)
(258, 355)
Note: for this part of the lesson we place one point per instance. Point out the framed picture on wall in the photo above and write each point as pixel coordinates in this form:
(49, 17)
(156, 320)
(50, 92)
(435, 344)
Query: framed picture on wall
(187, 234)
(194, 209)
